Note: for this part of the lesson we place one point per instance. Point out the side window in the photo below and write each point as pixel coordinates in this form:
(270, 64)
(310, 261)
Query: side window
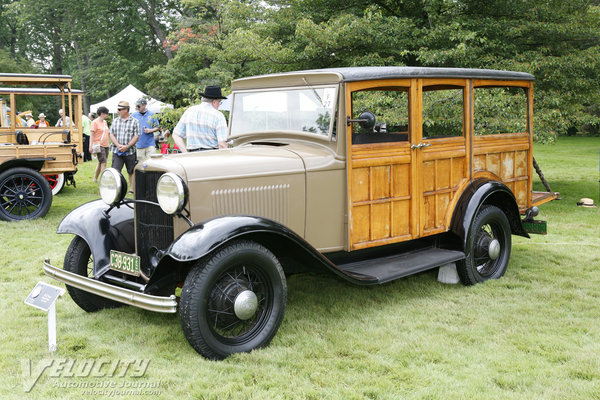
(498, 110)
(389, 106)
(443, 112)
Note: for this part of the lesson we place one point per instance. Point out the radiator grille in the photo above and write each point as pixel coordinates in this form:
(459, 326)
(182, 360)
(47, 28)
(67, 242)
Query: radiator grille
(154, 228)
(270, 201)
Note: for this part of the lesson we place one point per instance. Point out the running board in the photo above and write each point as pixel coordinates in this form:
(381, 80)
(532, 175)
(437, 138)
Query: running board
(385, 269)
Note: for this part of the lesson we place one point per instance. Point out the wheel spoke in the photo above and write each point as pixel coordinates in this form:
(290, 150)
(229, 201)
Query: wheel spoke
(220, 312)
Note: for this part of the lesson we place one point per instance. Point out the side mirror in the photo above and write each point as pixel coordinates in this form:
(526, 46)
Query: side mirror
(366, 120)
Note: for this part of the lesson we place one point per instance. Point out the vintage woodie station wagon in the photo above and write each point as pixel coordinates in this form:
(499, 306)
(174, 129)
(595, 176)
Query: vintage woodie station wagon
(36, 161)
(371, 173)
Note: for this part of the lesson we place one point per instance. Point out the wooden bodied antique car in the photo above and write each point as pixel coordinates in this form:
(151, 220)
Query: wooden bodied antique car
(371, 173)
(36, 161)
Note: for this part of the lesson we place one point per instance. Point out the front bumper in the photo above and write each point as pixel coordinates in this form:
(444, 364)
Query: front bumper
(127, 296)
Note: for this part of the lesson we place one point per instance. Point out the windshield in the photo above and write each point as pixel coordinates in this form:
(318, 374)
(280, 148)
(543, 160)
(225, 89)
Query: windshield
(305, 110)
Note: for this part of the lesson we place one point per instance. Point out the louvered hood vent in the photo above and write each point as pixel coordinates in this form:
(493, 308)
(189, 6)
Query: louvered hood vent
(271, 201)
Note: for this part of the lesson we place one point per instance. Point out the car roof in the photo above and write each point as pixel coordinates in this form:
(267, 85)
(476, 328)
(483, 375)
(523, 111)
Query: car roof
(350, 74)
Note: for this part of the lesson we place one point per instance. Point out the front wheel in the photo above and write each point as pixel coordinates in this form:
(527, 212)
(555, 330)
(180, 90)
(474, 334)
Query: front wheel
(233, 301)
(24, 194)
(78, 260)
(488, 247)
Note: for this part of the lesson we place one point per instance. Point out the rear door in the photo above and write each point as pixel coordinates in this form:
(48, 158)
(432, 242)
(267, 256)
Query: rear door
(441, 150)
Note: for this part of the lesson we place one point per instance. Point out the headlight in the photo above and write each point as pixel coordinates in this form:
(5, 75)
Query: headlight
(171, 192)
(113, 186)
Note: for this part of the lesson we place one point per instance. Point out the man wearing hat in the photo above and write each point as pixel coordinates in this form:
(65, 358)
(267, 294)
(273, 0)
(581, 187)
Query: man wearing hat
(41, 122)
(124, 133)
(29, 119)
(148, 125)
(203, 126)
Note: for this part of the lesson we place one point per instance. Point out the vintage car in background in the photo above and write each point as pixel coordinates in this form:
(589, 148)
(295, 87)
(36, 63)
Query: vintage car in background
(370, 173)
(36, 161)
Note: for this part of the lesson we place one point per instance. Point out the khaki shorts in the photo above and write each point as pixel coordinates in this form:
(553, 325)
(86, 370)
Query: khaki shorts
(144, 153)
(103, 155)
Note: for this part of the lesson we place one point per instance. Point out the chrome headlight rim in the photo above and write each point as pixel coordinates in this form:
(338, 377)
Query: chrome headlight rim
(120, 190)
(182, 193)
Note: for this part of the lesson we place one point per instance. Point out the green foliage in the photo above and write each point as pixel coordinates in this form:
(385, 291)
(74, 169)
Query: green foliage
(171, 48)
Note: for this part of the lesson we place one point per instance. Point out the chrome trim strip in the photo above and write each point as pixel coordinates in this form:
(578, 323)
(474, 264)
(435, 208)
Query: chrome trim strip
(148, 302)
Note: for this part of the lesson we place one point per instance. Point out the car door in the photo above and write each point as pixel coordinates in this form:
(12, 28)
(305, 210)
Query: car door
(382, 209)
(441, 148)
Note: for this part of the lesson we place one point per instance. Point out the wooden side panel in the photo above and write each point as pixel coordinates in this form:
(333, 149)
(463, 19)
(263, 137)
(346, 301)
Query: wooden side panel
(381, 201)
(506, 158)
(444, 171)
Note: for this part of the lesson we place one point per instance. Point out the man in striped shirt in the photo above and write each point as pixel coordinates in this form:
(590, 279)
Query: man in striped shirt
(124, 132)
(203, 126)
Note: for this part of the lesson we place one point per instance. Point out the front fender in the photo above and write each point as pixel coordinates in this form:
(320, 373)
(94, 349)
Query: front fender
(101, 233)
(202, 239)
(484, 191)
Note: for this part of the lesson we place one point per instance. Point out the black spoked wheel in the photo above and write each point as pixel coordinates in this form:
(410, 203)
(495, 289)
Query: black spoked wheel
(78, 260)
(24, 194)
(488, 249)
(234, 301)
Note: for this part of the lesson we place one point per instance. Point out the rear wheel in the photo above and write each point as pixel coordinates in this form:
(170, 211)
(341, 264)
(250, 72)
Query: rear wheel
(489, 245)
(56, 182)
(233, 301)
(24, 194)
(79, 260)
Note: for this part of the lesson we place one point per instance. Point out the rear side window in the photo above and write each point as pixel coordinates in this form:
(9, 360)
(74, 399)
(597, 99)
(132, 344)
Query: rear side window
(443, 112)
(499, 110)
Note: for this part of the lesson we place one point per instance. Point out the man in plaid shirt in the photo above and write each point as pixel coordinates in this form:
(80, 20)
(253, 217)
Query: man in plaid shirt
(124, 132)
(203, 126)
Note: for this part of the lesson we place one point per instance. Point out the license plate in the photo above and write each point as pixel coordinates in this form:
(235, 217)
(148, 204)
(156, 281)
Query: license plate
(126, 263)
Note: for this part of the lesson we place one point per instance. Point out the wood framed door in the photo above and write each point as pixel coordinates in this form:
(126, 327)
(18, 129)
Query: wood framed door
(442, 150)
(381, 206)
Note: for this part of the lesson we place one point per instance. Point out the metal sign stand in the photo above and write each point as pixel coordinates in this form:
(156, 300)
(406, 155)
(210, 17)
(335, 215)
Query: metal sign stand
(43, 297)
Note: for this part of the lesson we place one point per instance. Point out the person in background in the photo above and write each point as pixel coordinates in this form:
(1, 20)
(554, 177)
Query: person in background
(85, 130)
(67, 120)
(99, 134)
(124, 133)
(41, 122)
(204, 127)
(30, 120)
(148, 125)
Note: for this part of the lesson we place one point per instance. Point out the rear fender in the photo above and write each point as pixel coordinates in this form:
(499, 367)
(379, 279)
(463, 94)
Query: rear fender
(100, 232)
(480, 192)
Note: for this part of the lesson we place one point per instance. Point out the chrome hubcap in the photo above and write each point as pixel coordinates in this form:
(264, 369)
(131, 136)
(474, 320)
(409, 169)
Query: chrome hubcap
(245, 305)
(494, 249)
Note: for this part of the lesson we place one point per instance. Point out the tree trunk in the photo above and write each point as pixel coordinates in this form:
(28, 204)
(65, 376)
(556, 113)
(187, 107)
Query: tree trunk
(82, 78)
(156, 28)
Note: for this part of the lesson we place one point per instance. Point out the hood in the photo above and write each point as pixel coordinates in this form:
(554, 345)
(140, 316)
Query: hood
(238, 162)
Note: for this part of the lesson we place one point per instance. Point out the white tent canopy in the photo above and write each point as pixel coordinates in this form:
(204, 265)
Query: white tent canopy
(130, 94)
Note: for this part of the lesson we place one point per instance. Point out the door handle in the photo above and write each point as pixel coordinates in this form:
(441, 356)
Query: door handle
(420, 145)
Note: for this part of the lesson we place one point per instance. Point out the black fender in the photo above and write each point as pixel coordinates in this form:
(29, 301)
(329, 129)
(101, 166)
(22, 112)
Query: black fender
(204, 238)
(33, 163)
(479, 192)
(101, 233)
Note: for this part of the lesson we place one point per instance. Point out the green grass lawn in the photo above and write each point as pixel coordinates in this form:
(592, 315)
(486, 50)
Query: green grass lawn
(534, 334)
